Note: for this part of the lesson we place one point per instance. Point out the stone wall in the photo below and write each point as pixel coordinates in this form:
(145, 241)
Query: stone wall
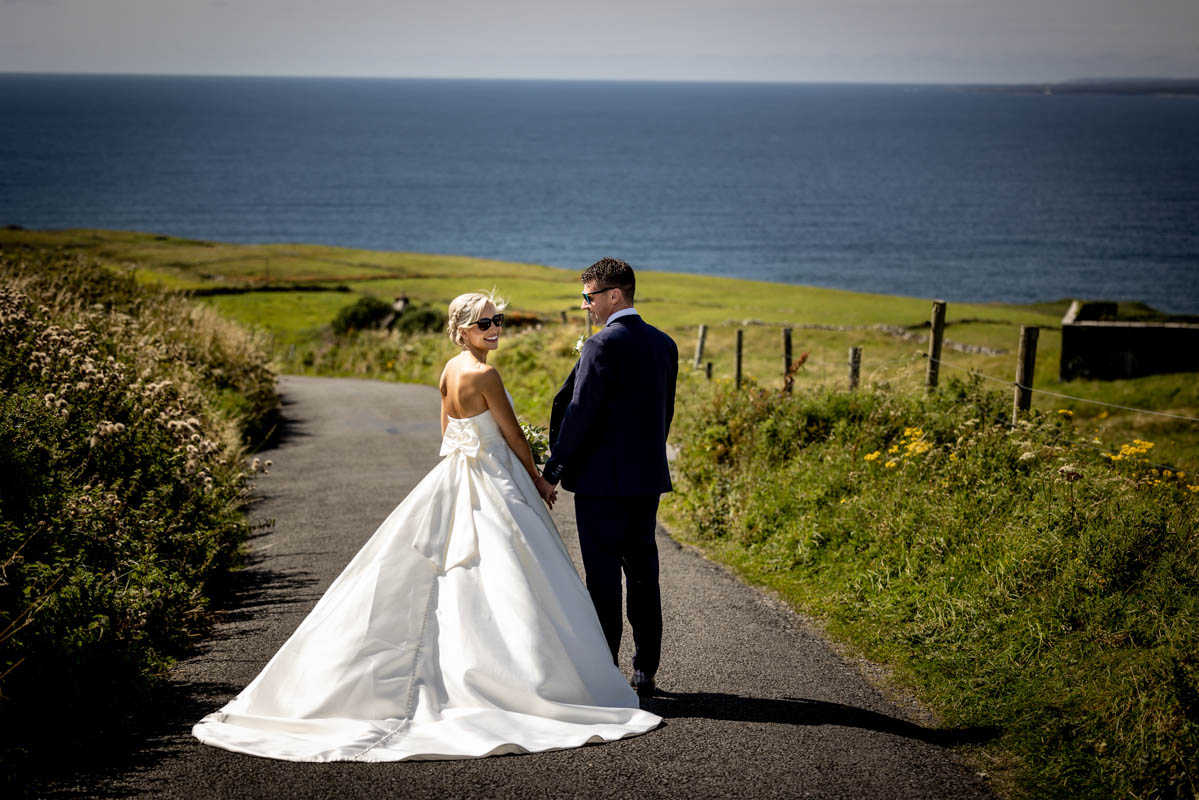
(1114, 350)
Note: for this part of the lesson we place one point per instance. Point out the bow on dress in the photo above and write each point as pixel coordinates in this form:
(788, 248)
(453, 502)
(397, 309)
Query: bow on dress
(461, 437)
(447, 535)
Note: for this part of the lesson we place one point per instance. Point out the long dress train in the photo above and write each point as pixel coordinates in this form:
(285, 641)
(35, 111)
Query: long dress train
(459, 630)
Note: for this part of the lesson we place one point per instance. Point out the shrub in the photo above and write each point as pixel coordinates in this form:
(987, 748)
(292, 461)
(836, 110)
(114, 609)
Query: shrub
(422, 319)
(121, 478)
(365, 313)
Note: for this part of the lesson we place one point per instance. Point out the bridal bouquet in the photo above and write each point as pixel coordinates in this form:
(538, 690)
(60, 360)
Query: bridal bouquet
(539, 441)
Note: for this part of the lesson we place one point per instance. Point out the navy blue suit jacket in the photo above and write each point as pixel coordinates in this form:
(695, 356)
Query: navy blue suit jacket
(610, 419)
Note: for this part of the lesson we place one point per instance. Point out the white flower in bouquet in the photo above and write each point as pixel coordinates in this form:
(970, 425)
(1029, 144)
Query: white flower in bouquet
(539, 441)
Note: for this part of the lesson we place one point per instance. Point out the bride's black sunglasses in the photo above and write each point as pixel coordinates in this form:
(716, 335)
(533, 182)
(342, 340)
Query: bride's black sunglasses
(485, 323)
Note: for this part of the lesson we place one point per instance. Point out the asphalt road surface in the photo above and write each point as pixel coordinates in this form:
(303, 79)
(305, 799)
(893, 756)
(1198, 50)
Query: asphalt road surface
(755, 702)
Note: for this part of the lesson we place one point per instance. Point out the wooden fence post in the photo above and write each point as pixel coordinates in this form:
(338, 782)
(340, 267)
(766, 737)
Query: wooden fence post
(855, 367)
(1025, 365)
(787, 379)
(699, 346)
(563, 317)
(737, 360)
(708, 370)
(935, 335)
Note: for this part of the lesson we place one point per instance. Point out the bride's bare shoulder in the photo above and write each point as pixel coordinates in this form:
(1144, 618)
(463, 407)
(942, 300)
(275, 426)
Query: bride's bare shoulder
(482, 375)
(467, 371)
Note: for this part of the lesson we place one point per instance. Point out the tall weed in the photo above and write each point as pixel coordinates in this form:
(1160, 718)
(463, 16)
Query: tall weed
(122, 482)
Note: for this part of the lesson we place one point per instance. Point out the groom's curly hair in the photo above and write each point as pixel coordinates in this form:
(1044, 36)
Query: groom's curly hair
(612, 272)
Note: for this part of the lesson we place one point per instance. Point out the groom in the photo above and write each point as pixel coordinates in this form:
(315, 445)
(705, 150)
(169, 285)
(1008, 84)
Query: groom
(608, 432)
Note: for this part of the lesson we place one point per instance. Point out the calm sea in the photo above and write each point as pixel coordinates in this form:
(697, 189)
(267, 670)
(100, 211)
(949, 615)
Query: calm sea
(920, 191)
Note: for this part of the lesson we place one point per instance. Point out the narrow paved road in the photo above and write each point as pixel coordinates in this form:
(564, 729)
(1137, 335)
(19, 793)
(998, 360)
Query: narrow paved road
(756, 704)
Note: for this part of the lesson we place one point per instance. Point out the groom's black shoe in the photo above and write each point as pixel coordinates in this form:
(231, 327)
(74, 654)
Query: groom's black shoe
(643, 683)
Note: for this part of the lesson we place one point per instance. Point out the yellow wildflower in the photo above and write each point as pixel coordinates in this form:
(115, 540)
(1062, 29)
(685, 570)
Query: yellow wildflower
(917, 447)
(891, 464)
(1065, 412)
(871, 456)
(1102, 415)
(893, 448)
(1138, 447)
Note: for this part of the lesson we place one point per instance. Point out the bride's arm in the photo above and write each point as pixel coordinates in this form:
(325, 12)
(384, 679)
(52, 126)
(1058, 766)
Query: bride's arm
(492, 387)
(441, 387)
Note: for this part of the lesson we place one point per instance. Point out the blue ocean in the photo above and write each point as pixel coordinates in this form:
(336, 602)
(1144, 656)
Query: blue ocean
(924, 191)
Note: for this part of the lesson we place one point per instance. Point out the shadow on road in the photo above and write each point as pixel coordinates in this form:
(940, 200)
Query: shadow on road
(248, 592)
(285, 430)
(111, 762)
(801, 711)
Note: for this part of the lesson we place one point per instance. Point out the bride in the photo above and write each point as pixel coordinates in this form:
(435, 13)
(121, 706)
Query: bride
(461, 628)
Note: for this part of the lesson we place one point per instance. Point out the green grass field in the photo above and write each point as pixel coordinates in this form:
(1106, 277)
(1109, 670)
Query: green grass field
(677, 303)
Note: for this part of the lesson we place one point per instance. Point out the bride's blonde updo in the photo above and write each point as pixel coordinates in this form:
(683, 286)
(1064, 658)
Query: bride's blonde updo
(466, 309)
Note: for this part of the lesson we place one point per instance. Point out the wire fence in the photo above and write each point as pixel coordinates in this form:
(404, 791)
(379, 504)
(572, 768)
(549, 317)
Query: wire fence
(806, 361)
(1035, 390)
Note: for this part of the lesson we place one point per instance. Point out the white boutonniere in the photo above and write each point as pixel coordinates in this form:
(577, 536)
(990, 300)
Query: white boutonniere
(579, 344)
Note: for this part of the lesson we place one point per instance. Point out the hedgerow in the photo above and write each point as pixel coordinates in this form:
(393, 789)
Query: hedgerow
(1024, 579)
(122, 481)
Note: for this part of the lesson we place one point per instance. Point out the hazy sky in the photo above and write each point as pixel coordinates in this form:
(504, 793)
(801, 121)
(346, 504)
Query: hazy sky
(785, 40)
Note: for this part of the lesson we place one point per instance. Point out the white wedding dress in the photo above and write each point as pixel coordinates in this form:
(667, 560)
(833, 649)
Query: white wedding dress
(459, 630)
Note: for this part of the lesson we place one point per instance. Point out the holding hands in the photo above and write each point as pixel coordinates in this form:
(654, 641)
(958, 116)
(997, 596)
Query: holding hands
(548, 492)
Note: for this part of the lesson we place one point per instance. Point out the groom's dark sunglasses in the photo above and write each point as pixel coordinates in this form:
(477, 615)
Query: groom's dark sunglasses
(587, 295)
(485, 323)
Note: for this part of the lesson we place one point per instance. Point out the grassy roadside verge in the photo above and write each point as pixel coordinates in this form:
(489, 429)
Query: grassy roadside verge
(1015, 578)
(122, 489)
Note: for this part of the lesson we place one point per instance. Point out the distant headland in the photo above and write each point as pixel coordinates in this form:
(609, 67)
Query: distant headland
(1154, 86)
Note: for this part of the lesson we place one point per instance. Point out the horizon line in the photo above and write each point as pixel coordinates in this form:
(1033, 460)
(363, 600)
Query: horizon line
(880, 82)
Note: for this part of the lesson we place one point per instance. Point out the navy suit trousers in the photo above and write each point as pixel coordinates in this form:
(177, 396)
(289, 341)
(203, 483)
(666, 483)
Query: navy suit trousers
(617, 534)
